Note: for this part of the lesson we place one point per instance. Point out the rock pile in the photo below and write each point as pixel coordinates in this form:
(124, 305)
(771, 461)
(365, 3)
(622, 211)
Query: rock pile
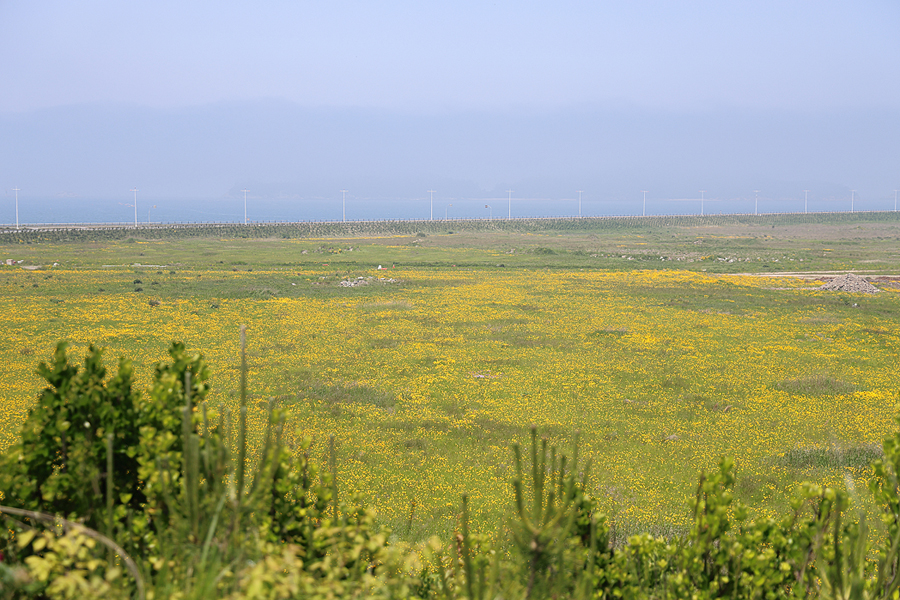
(354, 282)
(366, 281)
(850, 283)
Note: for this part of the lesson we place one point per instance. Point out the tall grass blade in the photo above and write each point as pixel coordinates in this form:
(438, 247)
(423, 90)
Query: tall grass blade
(110, 526)
(332, 466)
(242, 426)
(466, 549)
(211, 532)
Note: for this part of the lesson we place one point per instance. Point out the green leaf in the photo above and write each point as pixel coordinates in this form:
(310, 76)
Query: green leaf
(24, 538)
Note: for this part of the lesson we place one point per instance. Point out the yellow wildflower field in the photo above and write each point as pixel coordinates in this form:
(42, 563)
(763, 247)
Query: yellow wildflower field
(426, 381)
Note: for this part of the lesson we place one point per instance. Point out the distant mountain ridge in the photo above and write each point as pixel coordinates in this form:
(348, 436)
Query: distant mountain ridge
(282, 150)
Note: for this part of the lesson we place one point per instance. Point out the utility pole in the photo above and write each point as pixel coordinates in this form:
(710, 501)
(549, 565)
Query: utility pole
(245, 205)
(432, 203)
(16, 189)
(135, 206)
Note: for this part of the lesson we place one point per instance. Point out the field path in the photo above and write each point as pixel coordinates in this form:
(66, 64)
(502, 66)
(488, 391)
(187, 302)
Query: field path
(817, 274)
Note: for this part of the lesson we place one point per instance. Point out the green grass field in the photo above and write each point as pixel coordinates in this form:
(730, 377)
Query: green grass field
(649, 339)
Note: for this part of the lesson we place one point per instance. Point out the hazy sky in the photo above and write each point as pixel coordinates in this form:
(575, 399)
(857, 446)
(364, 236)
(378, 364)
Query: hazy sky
(659, 75)
(425, 56)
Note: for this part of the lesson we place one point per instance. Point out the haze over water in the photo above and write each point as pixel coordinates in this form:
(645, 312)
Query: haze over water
(230, 210)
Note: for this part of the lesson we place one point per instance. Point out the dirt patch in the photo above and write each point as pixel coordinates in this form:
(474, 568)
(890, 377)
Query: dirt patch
(884, 281)
(887, 282)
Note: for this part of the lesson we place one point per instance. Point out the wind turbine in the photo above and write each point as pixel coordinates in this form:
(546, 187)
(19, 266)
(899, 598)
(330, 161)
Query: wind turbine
(756, 204)
(805, 201)
(343, 205)
(509, 215)
(446, 208)
(895, 205)
(432, 203)
(644, 210)
(579, 203)
(245, 205)
(16, 189)
(488, 206)
(852, 197)
(701, 201)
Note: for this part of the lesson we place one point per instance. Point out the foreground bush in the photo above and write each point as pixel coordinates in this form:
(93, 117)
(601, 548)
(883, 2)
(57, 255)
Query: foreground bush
(114, 493)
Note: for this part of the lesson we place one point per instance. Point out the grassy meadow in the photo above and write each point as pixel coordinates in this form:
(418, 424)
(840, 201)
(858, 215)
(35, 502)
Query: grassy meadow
(662, 346)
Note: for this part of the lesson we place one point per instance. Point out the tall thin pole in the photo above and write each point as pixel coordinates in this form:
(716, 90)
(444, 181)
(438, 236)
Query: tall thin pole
(432, 203)
(852, 198)
(644, 209)
(488, 206)
(17, 206)
(509, 213)
(135, 206)
(756, 204)
(701, 201)
(895, 202)
(579, 203)
(343, 205)
(805, 201)
(446, 208)
(245, 205)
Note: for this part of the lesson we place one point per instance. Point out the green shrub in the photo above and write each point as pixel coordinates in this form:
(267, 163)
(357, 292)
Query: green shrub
(59, 464)
(152, 472)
